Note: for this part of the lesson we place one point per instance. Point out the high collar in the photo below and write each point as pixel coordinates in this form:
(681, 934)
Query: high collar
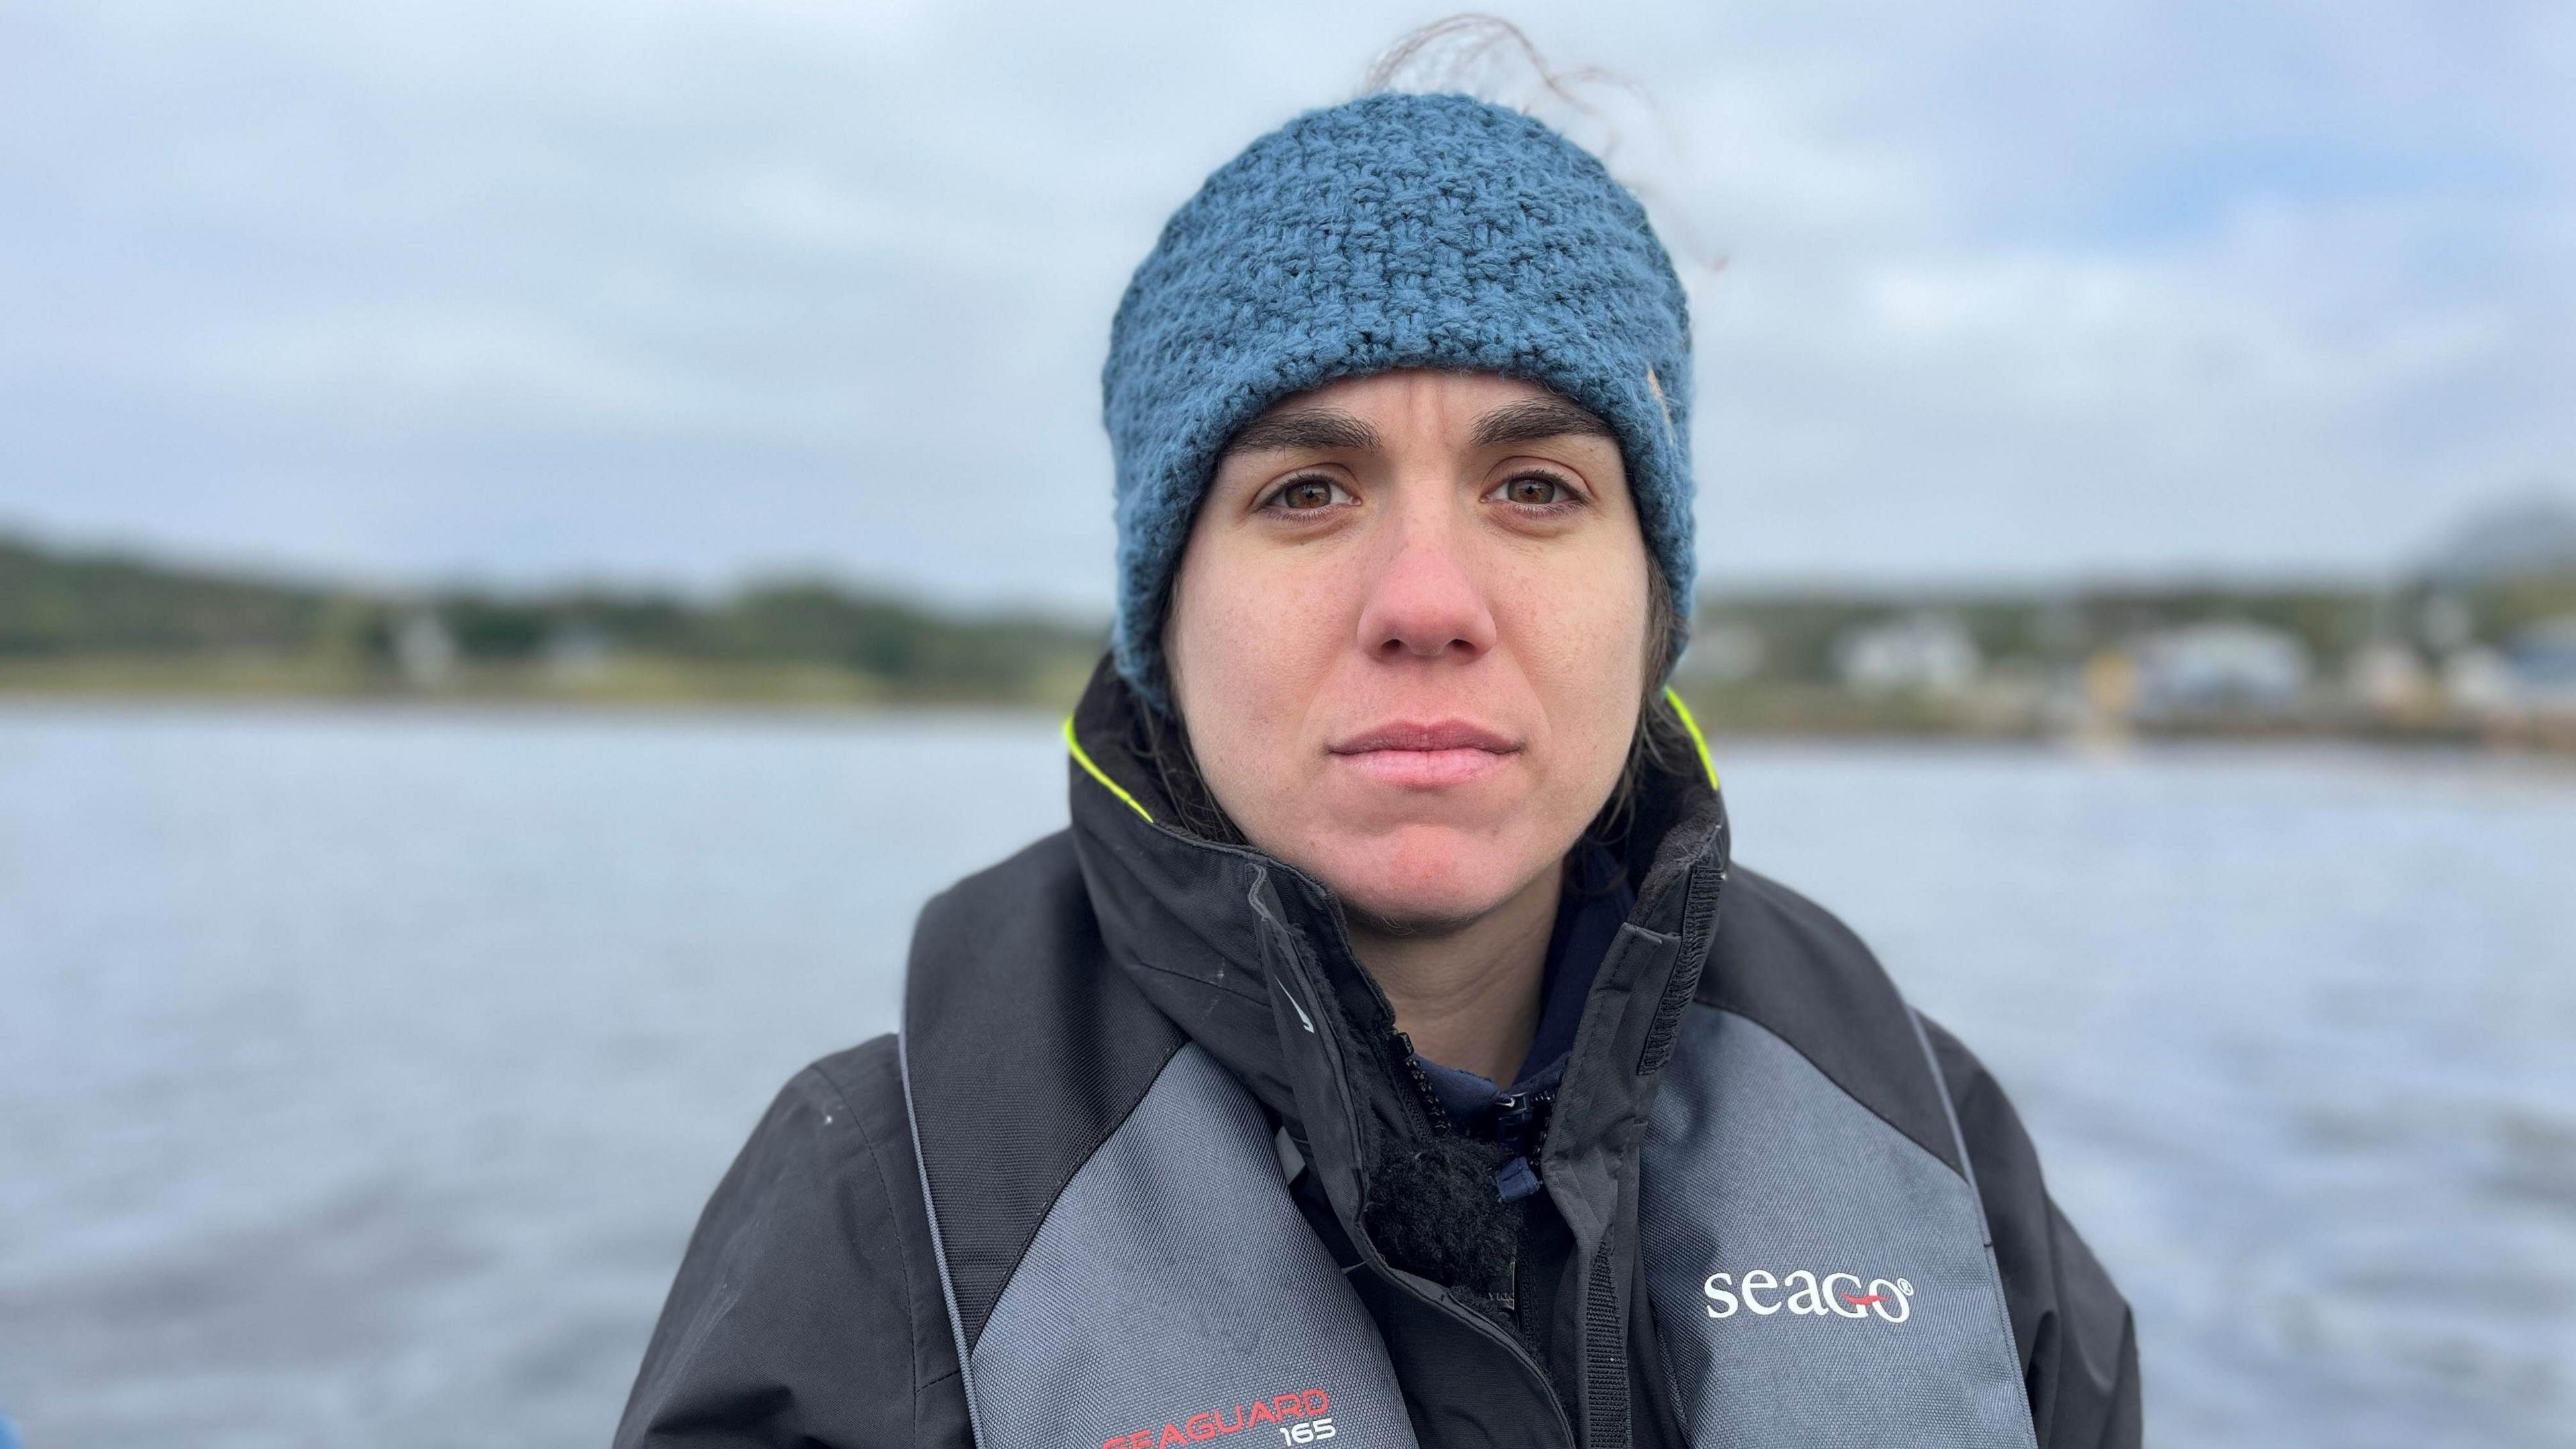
(1251, 958)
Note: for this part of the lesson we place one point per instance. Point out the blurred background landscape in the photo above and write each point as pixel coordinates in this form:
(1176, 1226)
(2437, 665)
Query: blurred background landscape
(533, 537)
(2473, 645)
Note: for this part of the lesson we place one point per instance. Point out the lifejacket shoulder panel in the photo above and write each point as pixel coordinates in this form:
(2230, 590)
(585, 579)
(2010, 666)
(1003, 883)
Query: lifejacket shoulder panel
(1174, 1295)
(1817, 1276)
(1024, 1048)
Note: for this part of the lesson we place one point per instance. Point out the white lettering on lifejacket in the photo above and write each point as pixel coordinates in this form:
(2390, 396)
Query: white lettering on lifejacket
(1810, 1296)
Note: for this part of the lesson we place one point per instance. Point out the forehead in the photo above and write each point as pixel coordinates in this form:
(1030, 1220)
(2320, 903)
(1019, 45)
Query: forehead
(1398, 386)
(1358, 412)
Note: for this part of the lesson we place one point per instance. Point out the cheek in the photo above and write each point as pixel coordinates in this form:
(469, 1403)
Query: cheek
(1582, 651)
(1579, 628)
(1251, 648)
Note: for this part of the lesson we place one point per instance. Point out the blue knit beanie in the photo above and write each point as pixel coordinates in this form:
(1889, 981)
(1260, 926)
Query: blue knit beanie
(1392, 231)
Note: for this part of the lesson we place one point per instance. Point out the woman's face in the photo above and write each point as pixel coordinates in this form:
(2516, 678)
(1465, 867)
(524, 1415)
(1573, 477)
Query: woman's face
(1408, 636)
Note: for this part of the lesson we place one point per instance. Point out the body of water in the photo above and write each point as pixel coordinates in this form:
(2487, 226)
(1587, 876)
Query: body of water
(361, 1072)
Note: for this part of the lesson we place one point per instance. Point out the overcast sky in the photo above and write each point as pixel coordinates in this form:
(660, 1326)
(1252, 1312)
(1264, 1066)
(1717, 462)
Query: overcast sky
(668, 291)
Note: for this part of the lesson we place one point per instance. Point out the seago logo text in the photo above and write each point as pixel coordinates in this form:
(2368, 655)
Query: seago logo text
(1843, 1295)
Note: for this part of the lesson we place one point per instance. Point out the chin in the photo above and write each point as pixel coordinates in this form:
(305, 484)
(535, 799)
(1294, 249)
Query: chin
(1424, 877)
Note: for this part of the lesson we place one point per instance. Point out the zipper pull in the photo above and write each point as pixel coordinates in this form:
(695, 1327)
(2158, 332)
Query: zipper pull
(1515, 1114)
(1518, 1125)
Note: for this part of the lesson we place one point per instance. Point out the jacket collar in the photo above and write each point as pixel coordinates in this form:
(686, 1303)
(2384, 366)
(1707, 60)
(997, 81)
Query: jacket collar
(1251, 958)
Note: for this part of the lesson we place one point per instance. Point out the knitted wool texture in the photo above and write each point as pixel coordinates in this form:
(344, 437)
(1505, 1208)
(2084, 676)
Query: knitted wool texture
(1392, 231)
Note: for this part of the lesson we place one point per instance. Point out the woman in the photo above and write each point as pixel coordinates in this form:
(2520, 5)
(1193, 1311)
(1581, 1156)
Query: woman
(1389, 1052)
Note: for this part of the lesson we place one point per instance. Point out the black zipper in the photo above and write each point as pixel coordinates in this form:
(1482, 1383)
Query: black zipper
(1433, 1112)
(1427, 1111)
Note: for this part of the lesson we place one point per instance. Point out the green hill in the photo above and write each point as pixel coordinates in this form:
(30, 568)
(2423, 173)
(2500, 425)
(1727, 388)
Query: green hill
(97, 620)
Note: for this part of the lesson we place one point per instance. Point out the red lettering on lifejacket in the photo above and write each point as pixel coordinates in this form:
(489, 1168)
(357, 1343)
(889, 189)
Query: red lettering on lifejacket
(1210, 1423)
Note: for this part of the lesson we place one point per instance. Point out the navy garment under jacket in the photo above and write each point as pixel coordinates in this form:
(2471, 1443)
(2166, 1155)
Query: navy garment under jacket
(1595, 898)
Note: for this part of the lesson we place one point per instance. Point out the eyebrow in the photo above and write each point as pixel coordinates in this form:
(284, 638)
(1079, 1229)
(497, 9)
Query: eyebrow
(1527, 422)
(1330, 429)
(1315, 428)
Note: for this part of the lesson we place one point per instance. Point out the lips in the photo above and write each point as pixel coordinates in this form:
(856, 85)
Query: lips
(1426, 755)
(1446, 734)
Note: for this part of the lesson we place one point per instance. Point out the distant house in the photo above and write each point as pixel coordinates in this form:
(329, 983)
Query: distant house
(424, 650)
(2540, 660)
(2222, 666)
(2479, 681)
(2388, 677)
(1920, 653)
(577, 653)
(1723, 653)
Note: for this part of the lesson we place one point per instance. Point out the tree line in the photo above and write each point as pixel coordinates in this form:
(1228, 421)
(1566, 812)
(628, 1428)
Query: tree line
(67, 605)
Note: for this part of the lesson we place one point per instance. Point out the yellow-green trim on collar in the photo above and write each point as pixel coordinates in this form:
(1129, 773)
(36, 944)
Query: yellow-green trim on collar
(1094, 771)
(1688, 723)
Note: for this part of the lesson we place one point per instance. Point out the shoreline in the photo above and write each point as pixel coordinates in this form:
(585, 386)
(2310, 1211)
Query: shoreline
(801, 695)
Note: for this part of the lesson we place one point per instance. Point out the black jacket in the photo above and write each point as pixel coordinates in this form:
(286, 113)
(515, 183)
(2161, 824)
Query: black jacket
(1050, 993)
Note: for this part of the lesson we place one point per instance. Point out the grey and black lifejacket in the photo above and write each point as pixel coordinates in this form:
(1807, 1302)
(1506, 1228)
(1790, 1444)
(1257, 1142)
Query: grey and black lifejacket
(1123, 1072)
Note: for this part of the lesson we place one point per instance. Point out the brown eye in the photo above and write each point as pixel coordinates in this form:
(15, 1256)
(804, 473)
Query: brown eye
(1535, 490)
(1306, 494)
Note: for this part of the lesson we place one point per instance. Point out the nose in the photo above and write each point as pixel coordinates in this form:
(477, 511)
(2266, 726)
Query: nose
(1425, 603)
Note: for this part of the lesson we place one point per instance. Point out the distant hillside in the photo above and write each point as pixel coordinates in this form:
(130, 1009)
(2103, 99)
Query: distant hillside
(2530, 537)
(69, 603)
(117, 616)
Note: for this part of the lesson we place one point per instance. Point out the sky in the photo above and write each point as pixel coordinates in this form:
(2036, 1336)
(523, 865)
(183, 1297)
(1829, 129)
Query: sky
(685, 292)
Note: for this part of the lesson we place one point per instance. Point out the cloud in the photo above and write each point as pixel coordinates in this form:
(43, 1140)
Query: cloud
(685, 289)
